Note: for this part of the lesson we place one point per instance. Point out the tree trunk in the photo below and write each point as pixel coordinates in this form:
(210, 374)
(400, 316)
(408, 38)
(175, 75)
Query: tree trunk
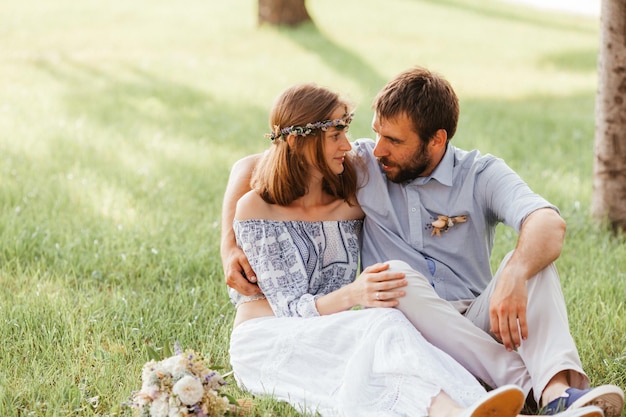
(609, 171)
(283, 12)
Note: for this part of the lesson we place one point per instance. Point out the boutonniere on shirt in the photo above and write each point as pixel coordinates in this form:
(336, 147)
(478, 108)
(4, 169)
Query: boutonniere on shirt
(443, 223)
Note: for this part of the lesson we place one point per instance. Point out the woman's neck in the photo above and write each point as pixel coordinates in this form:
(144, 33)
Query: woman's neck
(315, 198)
(317, 205)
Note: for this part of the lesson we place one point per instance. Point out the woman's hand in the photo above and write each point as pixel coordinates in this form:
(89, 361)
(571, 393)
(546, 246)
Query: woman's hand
(376, 287)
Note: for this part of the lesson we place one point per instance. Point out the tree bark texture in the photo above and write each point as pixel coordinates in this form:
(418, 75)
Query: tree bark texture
(609, 171)
(283, 12)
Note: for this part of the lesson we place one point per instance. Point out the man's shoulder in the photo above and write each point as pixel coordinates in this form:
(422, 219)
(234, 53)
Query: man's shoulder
(474, 159)
(464, 155)
(363, 146)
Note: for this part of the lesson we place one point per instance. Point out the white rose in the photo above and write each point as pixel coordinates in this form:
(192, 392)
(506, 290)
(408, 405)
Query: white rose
(188, 390)
(174, 364)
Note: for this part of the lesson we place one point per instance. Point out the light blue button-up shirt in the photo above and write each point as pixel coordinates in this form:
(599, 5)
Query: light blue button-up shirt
(398, 223)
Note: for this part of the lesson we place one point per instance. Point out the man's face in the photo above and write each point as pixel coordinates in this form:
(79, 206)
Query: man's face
(399, 150)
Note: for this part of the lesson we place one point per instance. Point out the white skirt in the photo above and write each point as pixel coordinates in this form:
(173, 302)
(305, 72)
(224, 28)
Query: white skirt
(369, 362)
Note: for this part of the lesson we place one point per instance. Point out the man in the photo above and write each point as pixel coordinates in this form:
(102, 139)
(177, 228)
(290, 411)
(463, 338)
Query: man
(433, 210)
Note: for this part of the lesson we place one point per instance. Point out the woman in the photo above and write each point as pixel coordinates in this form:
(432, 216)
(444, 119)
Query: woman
(300, 342)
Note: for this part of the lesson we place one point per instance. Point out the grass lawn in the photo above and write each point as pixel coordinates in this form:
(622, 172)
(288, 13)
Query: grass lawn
(120, 120)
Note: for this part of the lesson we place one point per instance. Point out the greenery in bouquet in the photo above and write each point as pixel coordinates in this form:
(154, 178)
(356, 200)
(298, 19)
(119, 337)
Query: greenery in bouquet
(181, 385)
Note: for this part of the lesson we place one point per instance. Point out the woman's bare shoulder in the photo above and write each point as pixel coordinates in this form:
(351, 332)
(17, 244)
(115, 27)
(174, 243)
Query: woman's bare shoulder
(345, 211)
(251, 206)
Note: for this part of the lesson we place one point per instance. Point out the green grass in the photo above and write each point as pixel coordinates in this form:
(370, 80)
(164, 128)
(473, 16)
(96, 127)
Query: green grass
(118, 126)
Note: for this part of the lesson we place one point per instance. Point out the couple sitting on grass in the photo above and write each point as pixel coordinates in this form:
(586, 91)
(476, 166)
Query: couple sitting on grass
(435, 327)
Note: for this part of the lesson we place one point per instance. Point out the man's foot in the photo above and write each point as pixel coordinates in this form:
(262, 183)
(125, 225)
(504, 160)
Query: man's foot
(506, 401)
(609, 398)
(587, 411)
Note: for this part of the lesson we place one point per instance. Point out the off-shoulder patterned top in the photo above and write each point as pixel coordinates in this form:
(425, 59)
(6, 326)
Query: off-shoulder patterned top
(297, 262)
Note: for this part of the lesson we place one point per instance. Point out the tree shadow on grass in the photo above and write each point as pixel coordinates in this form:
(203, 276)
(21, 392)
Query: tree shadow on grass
(155, 147)
(135, 100)
(341, 59)
(147, 114)
(135, 105)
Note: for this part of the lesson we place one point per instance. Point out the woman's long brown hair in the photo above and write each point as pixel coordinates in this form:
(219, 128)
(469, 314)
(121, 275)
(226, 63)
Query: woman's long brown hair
(282, 175)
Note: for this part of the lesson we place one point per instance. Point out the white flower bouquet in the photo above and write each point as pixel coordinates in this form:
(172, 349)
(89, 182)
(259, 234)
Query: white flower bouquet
(181, 385)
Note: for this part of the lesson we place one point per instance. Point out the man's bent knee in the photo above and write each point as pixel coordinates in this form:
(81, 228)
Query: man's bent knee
(411, 274)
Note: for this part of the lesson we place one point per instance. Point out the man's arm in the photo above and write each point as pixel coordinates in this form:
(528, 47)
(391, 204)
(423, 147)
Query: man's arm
(539, 244)
(237, 270)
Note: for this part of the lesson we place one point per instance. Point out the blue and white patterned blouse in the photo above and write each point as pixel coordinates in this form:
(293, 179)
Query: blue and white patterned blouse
(297, 262)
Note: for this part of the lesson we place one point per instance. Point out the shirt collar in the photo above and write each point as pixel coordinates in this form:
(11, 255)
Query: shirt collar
(443, 171)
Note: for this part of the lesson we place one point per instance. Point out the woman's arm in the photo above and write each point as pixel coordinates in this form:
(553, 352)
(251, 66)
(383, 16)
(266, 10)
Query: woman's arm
(373, 283)
(283, 277)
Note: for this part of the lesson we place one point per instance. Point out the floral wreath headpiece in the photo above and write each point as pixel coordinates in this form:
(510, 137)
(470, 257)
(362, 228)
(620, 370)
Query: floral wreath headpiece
(310, 128)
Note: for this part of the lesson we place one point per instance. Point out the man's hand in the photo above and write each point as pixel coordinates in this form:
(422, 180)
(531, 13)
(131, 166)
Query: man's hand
(539, 244)
(507, 310)
(239, 274)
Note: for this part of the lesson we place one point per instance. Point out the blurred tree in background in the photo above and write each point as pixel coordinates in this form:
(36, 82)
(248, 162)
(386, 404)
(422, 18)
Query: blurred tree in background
(609, 172)
(283, 12)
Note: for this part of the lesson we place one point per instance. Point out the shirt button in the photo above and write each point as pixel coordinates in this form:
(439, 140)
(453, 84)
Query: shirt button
(413, 209)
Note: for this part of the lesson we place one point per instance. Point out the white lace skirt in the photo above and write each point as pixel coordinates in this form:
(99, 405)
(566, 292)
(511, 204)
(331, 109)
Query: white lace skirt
(361, 363)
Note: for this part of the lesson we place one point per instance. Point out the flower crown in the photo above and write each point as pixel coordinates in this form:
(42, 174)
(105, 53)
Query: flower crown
(310, 128)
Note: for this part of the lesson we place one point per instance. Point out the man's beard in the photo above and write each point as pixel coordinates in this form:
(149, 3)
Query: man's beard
(417, 165)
